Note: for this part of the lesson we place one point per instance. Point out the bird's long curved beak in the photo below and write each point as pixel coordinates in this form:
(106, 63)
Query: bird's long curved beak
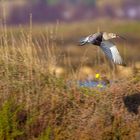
(118, 36)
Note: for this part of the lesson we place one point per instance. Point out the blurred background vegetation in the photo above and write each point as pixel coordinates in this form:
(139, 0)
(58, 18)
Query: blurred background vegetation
(61, 23)
(17, 11)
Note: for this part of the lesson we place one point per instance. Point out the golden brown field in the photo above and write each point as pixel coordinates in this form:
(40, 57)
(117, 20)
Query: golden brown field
(38, 103)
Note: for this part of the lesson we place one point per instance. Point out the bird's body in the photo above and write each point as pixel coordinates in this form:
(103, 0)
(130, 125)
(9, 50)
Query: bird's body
(102, 39)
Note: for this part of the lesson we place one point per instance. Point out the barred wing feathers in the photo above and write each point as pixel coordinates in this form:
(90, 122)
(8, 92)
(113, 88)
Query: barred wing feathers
(111, 52)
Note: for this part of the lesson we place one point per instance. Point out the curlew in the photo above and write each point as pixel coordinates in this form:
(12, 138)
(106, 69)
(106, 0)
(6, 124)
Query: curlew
(103, 40)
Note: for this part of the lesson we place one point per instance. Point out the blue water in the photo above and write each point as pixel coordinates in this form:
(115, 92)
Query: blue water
(92, 84)
(89, 84)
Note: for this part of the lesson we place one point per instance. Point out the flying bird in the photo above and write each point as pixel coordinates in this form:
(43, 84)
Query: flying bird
(103, 40)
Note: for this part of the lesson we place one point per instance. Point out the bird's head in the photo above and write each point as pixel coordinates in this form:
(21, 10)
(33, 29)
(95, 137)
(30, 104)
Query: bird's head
(112, 35)
(107, 36)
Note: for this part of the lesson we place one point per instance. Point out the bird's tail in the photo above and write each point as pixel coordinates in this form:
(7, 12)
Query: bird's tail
(83, 41)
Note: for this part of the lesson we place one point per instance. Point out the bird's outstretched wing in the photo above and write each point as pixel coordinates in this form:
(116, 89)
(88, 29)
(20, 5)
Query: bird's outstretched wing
(112, 52)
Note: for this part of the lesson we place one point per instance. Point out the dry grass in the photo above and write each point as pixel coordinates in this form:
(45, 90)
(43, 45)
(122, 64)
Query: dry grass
(37, 103)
